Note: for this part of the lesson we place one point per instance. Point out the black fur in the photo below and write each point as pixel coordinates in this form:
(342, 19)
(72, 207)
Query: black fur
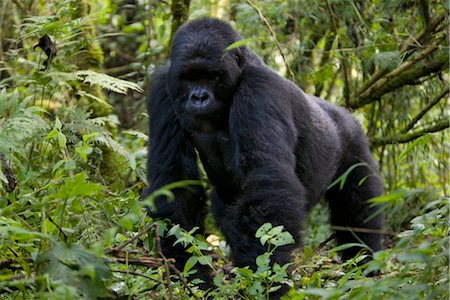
(269, 150)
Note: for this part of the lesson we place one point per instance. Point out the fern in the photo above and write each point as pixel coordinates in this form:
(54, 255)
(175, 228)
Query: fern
(110, 83)
(93, 78)
(77, 122)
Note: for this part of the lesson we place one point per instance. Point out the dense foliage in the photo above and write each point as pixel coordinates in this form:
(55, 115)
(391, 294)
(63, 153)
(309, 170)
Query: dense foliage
(73, 137)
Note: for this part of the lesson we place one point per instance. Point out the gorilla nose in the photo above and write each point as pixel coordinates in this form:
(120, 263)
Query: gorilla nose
(199, 99)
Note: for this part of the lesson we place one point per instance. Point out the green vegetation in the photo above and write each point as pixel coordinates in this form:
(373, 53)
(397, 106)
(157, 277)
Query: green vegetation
(73, 138)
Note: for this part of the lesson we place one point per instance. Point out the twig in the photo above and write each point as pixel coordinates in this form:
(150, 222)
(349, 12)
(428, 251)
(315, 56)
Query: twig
(10, 262)
(183, 280)
(137, 274)
(343, 60)
(127, 242)
(12, 181)
(59, 228)
(146, 261)
(424, 111)
(363, 230)
(272, 33)
(166, 264)
(16, 277)
(426, 32)
(314, 252)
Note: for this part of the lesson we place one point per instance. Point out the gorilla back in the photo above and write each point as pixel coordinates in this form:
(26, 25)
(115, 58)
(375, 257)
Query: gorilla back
(270, 150)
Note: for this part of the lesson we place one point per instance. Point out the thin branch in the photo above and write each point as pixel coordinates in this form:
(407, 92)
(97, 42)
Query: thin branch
(424, 9)
(407, 137)
(272, 33)
(150, 262)
(425, 110)
(314, 252)
(4, 264)
(12, 181)
(137, 274)
(166, 264)
(183, 280)
(61, 231)
(343, 60)
(363, 230)
(127, 242)
(424, 34)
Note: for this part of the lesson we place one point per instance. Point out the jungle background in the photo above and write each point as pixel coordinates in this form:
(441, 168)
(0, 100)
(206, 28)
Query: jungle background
(73, 135)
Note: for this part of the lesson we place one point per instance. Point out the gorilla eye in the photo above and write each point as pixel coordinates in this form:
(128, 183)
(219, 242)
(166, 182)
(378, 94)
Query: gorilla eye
(186, 76)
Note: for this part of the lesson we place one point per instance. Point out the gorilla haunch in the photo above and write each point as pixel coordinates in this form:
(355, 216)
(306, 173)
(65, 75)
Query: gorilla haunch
(269, 150)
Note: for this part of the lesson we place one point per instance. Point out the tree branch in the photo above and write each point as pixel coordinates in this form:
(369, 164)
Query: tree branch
(407, 137)
(272, 33)
(424, 111)
(408, 45)
(343, 60)
(406, 74)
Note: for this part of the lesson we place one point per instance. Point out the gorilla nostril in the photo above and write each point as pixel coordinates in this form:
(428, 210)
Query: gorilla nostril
(200, 96)
(204, 97)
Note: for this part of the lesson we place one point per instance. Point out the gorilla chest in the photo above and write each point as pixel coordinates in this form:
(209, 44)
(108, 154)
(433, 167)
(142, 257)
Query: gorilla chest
(216, 152)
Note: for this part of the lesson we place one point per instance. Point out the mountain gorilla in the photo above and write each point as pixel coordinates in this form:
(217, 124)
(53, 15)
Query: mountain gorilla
(270, 151)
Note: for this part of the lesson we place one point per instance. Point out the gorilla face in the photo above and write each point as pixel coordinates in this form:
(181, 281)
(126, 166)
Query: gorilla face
(202, 79)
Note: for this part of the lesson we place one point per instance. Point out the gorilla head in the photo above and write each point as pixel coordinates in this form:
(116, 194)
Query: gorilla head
(202, 75)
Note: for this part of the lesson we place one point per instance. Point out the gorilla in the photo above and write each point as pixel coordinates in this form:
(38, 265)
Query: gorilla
(269, 150)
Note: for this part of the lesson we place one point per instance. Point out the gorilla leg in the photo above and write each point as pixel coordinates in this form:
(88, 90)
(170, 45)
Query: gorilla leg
(350, 208)
(240, 219)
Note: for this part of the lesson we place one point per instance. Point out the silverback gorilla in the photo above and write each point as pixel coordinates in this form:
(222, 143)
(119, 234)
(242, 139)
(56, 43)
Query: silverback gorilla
(270, 151)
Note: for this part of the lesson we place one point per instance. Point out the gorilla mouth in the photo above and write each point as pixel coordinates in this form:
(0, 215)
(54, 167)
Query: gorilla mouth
(206, 123)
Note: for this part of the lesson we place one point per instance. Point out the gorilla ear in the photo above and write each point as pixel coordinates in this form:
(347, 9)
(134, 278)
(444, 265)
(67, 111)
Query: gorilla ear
(239, 56)
(238, 50)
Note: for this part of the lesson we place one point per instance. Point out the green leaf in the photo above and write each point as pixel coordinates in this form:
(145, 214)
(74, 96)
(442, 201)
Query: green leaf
(240, 43)
(263, 229)
(190, 263)
(350, 245)
(423, 140)
(387, 60)
(175, 230)
(275, 230)
(73, 265)
(205, 260)
(283, 238)
(78, 186)
(62, 140)
(52, 134)
(391, 197)
(263, 260)
(343, 178)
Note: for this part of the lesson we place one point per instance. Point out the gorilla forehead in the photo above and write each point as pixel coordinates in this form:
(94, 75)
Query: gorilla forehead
(204, 38)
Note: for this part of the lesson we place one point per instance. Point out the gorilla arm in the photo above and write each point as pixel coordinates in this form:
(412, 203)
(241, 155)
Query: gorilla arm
(171, 158)
(263, 130)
